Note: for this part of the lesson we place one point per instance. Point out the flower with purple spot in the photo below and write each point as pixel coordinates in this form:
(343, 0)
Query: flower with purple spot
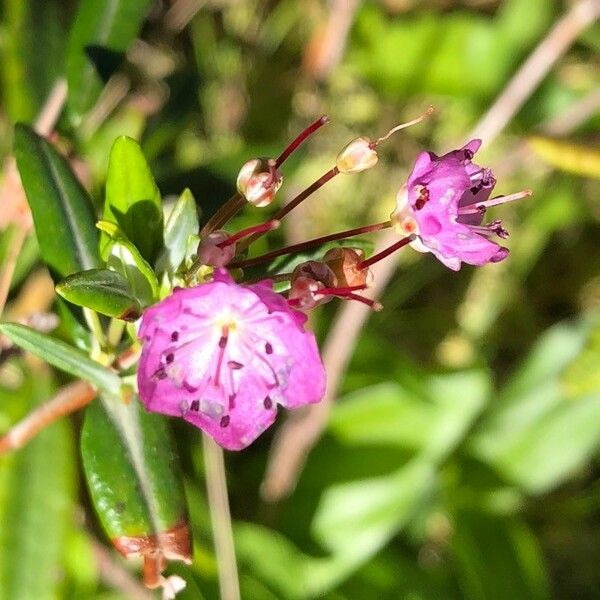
(443, 204)
(223, 356)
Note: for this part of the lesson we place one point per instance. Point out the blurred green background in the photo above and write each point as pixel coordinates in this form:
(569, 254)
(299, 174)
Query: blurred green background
(460, 459)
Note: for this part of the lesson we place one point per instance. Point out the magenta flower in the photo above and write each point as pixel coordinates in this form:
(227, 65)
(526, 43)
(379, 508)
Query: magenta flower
(223, 356)
(443, 205)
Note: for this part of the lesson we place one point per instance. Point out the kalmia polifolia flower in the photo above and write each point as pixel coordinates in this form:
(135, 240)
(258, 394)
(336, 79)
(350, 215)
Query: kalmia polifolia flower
(442, 206)
(224, 356)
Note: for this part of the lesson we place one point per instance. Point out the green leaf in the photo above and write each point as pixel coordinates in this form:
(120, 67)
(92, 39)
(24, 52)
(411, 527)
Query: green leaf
(132, 198)
(62, 356)
(542, 429)
(102, 290)
(110, 24)
(366, 513)
(62, 210)
(36, 502)
(133, 473)
(125, 258)
(182, 223)
(497, 558)
(27, 74)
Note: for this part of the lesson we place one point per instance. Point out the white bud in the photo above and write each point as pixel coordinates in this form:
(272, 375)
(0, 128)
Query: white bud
(359, 155)
(259, 180)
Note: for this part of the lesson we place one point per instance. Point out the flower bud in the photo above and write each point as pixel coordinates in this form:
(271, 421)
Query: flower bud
(344, 263)
(258, 181)
(402, 218)
(359, 155)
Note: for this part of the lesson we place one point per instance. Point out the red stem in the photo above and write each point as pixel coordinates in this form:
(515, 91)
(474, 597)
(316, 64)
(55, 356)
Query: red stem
(340, 235)
(365, 264)
(300, 138)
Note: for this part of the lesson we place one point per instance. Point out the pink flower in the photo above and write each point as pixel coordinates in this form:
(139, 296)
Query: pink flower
(223, 356)
(443, 205)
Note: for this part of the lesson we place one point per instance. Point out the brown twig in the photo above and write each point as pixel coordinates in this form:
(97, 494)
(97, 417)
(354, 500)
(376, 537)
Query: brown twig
(69, 399)
(558, 40)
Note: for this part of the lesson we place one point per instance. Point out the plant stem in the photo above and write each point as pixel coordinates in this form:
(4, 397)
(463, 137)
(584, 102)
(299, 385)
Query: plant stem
(218, 501)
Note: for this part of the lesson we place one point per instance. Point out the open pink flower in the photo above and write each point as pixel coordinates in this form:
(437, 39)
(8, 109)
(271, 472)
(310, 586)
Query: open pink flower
(223, 356)
(443, 205)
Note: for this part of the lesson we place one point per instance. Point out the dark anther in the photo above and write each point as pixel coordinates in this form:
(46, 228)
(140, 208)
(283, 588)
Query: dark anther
(223, 341)
(224, 421)
(268, 348)
(174, 336)
(422, 199)
(160, 374)
(475, 189)
(469, 154)
(268, 403)
(195, 405)
(170, 358)
(231, 401)
(187, 387)
(235, 365)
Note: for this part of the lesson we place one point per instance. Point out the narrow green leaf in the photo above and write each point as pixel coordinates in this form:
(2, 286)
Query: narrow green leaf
(132, 198)
(102, 290)
(62, 356)
(109, 24)
(182, 223)
(133, 473)
(36, 502)
(62, 210)
(27, 74)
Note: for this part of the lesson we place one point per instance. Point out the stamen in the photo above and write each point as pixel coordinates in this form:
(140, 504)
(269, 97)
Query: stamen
(224, 422)
(268, 403)
(393, 130)
(365, 264)
(222, 346)
(195, 405)
(309, 244)
(260, 228)
(503, 199)
(174, 336)
(373, 304)
(300, 138)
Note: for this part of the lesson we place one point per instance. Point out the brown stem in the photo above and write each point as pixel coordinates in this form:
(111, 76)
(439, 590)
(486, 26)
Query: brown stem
(69, 399)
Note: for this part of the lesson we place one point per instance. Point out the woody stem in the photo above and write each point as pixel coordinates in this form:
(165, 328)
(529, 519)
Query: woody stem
(340, 235)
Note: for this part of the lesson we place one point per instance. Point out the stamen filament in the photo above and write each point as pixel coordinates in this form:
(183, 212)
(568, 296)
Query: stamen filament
(260, 228)
(341, 291)
(372, 304)
(393, 130)
(503, 199)
(222, 346)
(301, 138)
(365, 264)
(340, 235)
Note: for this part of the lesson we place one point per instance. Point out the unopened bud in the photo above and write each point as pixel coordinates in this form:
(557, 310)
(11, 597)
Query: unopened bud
(211, 253)
(258, 181)
(359, 155)
(344, 262)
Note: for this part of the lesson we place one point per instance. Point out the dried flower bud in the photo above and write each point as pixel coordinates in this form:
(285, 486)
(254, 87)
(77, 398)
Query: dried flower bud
(344, 263)
(258, 181)
(307, 279)
(359, 155)
(212, 252)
